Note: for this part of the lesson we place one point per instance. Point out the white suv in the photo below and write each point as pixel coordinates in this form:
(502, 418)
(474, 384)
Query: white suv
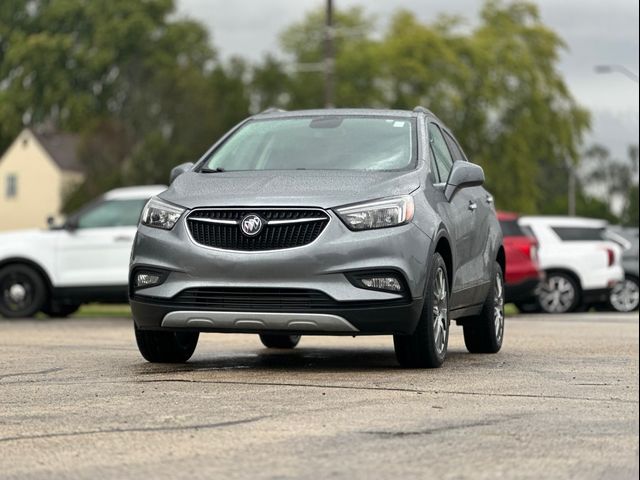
(84, 260)
(581, 265)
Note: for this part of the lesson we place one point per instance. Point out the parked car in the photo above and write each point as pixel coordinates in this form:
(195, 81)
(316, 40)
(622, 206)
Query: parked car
(523, 275)
(625, 296)
(331, 222)
(581, 265)
(84, 260)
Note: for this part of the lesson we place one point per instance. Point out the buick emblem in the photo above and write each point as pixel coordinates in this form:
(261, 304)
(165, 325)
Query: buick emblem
(251, 225)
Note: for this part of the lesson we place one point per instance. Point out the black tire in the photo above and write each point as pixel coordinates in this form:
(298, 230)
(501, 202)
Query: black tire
(426, 347)
(559, 293)
(528, 307)
(166, 347)
(484, 333)
(625, 297)
(279, 341)
(58, 310)
(23, 291)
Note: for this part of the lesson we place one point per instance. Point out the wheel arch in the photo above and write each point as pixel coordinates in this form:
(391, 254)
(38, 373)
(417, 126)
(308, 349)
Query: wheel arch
(568, 272)
(442, 245)
(501, 258)
(32, 264)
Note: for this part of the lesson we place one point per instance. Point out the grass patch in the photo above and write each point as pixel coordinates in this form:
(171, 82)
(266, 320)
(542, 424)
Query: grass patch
(104, 310)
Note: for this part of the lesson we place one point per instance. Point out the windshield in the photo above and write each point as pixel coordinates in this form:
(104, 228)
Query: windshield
(318, 143)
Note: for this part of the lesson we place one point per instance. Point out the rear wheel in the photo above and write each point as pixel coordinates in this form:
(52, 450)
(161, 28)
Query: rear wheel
(426, 347)
(559, 293)
(166, 347)
(625, 296)
(22, 291)
(484, 333)
(279, 341)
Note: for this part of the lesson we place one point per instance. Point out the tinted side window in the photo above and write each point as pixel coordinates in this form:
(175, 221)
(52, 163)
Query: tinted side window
(577, 234)
(440, 151)
(113, 213)
(455, 150)
(510, 228)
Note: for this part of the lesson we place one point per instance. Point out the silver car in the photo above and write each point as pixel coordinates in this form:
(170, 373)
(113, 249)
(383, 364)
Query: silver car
(322, 222)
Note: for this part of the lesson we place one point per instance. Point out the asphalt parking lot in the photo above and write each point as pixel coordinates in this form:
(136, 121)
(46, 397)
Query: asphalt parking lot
(559, 401)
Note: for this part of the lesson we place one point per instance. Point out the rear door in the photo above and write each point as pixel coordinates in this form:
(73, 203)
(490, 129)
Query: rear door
(96, 252)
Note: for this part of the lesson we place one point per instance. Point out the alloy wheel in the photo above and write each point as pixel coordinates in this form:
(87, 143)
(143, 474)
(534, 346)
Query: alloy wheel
(557, 294)
(17, 291)
(625, 296)
(498, 307)
(440, 311)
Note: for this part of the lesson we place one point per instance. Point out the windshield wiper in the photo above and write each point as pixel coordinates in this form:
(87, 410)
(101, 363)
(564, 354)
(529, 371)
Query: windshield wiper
(212, 170)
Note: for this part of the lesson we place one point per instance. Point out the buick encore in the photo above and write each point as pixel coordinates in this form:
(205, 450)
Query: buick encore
(322, 222)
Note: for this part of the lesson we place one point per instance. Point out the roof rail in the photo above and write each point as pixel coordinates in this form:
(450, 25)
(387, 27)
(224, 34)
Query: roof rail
(421, 109)
(272, 110)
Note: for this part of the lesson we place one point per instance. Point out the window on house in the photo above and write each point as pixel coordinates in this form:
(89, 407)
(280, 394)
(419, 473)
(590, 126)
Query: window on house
(11, 186)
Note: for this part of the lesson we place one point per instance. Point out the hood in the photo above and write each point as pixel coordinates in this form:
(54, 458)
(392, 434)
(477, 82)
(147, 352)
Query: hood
(12, 236)
(324, 189)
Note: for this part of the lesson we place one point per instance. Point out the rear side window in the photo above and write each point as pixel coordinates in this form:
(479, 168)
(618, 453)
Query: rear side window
(510, 228)
(579, 234)
(454, 148)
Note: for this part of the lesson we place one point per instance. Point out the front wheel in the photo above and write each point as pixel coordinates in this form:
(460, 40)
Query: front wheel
(426, 347)
(485, 332)
(559, 293)
(625, 296)
(22, 291)
(279, 341)
(166, 347)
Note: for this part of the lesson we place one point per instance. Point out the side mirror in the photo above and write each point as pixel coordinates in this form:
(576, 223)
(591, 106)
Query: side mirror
(463, 175)
(179, 170)
(70, 225)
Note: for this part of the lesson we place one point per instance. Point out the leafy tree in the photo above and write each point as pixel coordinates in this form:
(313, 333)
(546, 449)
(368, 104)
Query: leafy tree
(613, 182)
(496, 86)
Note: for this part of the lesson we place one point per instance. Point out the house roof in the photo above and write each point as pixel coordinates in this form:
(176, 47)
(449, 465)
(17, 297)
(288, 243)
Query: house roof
(62, 148)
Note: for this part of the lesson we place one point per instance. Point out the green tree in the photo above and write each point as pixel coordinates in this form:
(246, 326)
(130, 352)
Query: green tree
(146, 87)
(496, 86)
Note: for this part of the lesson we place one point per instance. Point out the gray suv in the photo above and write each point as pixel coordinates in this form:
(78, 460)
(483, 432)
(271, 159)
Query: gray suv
(322, 222)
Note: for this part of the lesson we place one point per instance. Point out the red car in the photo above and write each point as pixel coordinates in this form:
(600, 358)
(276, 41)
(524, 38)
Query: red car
(523, 274)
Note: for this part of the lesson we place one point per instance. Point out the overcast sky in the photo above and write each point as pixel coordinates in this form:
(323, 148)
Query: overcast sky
(596, 31)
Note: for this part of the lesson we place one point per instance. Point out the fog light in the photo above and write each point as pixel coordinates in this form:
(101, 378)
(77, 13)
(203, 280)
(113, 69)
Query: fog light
(391, 284)
(147, 279)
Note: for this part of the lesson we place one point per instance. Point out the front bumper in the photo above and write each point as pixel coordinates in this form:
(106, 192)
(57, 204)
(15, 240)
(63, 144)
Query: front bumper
(361, 320)
(321, 266)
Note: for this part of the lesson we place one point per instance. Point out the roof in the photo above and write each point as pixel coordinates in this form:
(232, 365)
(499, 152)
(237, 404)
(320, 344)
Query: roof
(62, 148)
(132, 193)
(336, 111)
(564, 221)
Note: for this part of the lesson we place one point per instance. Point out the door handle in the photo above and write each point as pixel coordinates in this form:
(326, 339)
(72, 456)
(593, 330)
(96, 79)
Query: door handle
(489, 199)
(122, 238)
(472, 205)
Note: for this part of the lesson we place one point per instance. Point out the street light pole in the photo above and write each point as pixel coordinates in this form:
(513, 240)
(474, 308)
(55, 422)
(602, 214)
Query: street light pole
(616, 68)
(329, 60)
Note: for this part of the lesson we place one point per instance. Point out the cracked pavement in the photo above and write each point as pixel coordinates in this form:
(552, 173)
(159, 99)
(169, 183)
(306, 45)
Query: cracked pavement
(559, 401)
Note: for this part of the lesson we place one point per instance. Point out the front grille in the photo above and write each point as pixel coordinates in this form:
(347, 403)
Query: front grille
(284, 228)
(261, 300)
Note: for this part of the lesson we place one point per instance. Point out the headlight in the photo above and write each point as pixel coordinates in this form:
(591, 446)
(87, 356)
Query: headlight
(388, 212)
(160, 214)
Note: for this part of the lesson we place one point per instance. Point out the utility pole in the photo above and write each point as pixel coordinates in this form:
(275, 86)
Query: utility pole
(572, 191)
(329, 60)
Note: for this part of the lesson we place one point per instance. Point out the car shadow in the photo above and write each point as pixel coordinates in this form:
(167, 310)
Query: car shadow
(318, 360)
